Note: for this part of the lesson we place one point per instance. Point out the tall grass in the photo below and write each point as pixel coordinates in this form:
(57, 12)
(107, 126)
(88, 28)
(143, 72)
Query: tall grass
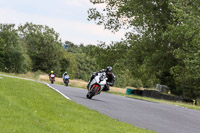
(31, 107)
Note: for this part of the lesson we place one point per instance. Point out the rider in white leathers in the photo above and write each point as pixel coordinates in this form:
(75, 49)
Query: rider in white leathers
(109, 75)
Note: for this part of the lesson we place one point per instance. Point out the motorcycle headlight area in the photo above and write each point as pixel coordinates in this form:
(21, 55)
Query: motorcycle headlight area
(101, 78)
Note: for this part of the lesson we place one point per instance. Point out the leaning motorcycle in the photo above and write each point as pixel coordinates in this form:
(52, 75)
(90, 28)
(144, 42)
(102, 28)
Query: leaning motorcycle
(66, 79)
(96, 85)
(52, 78)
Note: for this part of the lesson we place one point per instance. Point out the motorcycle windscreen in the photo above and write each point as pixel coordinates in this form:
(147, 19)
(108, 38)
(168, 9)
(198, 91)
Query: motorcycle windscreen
(66, 77)
(52, 75)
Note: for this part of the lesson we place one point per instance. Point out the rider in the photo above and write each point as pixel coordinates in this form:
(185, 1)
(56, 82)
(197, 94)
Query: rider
(52, 72)
(64, 74)
(109, 75)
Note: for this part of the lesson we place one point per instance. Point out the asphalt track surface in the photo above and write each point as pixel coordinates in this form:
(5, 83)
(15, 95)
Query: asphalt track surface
(160, 117)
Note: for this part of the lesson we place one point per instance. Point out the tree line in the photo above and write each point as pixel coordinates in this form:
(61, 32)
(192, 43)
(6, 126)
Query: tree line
(162, 46)
(31, 47)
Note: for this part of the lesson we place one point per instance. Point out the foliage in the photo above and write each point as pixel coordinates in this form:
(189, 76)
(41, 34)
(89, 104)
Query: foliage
(69, 64)
(2, 54)
(33, 47)
(163, 40)
(13, 55)
(86, 64)
(43, 45)
(185, 34)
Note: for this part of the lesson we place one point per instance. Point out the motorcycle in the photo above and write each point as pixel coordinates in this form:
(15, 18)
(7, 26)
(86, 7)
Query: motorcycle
(96, 85)
(66, 80)
(52, 78)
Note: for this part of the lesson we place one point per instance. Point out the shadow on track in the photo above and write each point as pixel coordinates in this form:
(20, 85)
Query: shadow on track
(142, 100)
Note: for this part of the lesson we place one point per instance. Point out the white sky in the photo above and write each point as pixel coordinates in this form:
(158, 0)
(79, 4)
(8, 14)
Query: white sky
(67, 17)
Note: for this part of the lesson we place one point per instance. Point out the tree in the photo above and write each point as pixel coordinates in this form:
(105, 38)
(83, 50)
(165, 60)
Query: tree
(185, 34)
(2, 54)
(85, 61)
(161, 32)
(69, 63)
(149, 19)
(13, 54)
(44, 47)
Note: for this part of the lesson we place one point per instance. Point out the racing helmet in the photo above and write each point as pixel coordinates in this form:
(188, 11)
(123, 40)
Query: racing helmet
(51, 71)
(109, 70)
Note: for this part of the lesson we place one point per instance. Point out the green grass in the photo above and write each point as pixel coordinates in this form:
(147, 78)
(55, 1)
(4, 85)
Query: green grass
(31, 107)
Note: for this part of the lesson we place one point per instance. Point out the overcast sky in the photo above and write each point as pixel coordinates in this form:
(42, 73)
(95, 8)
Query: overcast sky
(67, 17)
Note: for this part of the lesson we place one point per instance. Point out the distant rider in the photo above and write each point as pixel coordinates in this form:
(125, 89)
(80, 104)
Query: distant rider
(64, 74)
(52, 72)
(109, 75)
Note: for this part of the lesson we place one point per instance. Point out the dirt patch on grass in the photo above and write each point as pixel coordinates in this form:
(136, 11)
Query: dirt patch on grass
(78, 83)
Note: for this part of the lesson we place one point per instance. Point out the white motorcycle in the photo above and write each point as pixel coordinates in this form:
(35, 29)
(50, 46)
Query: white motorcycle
(96, 85)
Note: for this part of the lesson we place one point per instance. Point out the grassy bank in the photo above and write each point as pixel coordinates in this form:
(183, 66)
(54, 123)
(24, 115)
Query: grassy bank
(31, 107)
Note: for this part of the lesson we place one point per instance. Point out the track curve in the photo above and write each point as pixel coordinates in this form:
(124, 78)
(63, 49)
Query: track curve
(163, 118)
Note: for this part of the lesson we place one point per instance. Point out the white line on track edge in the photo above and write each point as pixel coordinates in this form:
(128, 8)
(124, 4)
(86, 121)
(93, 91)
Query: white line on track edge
(57, 91)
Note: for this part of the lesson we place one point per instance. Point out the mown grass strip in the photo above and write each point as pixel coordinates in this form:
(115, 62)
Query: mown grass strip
(31, 107)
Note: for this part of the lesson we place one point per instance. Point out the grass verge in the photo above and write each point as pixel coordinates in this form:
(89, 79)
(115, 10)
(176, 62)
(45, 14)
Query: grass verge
(31, 107)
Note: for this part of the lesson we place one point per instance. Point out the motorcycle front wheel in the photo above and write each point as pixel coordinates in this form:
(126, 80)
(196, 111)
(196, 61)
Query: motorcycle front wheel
(90, 94)
(66, 83)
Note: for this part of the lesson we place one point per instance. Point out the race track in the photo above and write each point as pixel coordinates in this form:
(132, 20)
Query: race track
(163, 118)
